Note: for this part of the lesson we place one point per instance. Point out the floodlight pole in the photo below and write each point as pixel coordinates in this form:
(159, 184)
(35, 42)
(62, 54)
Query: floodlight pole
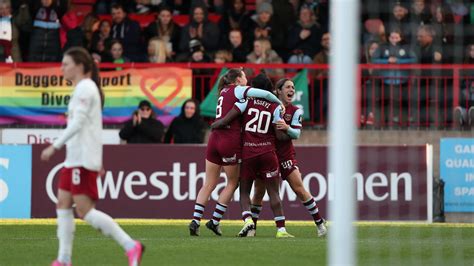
(342, 125)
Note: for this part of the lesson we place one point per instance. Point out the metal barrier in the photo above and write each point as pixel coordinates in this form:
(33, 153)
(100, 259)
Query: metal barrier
(399, 96)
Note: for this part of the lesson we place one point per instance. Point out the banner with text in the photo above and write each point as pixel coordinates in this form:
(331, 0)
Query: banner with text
(49, 135)
(456, 168)
(40, 96)
(162, 181)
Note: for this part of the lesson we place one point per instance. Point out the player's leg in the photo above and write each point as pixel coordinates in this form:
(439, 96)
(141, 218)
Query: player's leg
(257, 199)
(273, 187)
(84, 190)
(233, 173)
(245, 189)
(296, 184)
(271, 174)
(85, 208)
(213, 172)
(246, 181)
(66, 227)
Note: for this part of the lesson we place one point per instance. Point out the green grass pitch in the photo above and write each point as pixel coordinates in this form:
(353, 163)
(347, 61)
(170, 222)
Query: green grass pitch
(33, 242)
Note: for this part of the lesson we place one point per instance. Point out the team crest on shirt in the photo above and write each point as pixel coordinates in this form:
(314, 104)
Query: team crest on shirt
(287, 117)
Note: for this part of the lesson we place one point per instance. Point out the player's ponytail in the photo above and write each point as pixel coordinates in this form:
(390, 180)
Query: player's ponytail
(96, 78)
(81, 56)
(228, 78)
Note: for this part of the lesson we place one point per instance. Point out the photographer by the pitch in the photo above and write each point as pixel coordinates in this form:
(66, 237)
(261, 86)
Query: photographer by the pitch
(143, 127)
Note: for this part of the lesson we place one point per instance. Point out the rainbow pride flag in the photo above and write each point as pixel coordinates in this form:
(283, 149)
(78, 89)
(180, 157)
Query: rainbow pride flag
(40, 96)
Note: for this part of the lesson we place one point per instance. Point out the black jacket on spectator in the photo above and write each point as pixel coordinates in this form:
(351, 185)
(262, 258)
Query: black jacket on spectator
(75, 37)
(149, 130)
(129, 33)
(210, 33)
(45, 45)
(152, 31)
(186, 130)
(239, 54)
(233, 20)
(310, 46)
(94, 46)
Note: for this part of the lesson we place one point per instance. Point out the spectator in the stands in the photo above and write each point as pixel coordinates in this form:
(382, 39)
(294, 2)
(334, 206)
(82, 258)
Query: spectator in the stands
(443, 26)
(369, 87)
(236, 17)
(101, 40)
(82, 35)
(158, 52)
(399, 19)
(45, 45)
(188, 127)
(165, 28)
(9, 34)
(222, 57)
(464, 112)
(116, 53)
(420, 13)
(143, 127)
(197, 52)
(323, 56)
(303, 38)
(396, 83)
(128, 32)
(282, 19)
(264, 27)
(200, 28)
(264, 54)
(427, 52)
(237, 47)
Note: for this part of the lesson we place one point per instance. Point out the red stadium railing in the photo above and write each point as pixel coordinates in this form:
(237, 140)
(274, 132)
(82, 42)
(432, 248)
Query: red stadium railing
(400, 96)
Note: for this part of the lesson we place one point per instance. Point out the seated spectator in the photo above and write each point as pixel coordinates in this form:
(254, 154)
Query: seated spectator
(188, 127)
(463, 117)
(82, 35)
(323, 56)
(303, 38)
(264, 54)
(101, 39)
(222, 57)
(116, 53)
(196, 54)
(158, 52)
(282, 19)
(165, 29)
(128, 32)
(200, 28)
(9, 35)
(143, 127)
(45, 45)
(236, 45)
(236, 18)
(264, 28)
